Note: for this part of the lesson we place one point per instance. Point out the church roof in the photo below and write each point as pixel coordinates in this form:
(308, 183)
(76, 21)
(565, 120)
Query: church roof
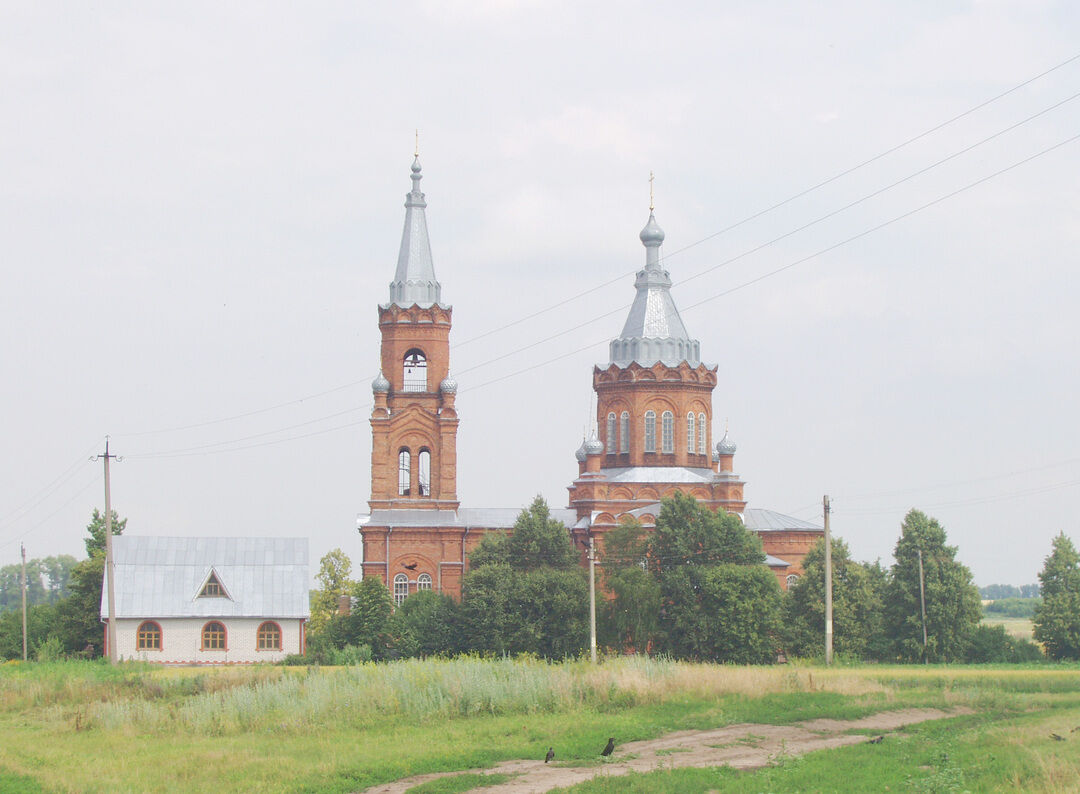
(758, 518)
(654, 331)
(479, 517)
(159, 577)
(660, 474)
(414, 280)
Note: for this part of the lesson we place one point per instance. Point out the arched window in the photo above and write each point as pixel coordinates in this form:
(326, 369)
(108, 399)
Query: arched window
(668, 430)
(612, 442)
(213, 636)
(401, 589)
(268, 637)
(148, 637)
(702, 441)
(423, 582)
(691, 436)
(650, 431)
(415, 371)
(404, 471)
(425, 472)
(624, 432)
(791, 580)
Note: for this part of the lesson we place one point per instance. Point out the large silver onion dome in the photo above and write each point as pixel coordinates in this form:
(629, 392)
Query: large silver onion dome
(380, 385)
(594, 446)
(581, 454)
(725, 446)
(448, 385)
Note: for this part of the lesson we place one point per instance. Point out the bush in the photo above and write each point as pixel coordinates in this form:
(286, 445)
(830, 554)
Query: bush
(50, 650)
(992, 645)
(1013, 607)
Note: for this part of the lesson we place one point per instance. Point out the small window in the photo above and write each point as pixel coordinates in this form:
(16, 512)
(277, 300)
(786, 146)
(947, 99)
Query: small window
(624, 432)
(404, 471)
(213, 588)
(703, 442)
(213, 636)
(650, 431)
(268, 637)
(425, 472)
(791, 580)
(148, 637)
(414, 376)
(611, 438)
(691, 436)
(401, 589)
(423, 582)
(668, 430)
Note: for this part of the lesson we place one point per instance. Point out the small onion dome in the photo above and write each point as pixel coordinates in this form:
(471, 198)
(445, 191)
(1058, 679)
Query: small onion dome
(380, 385)
(725, 446)
(652, 234)
(593, 446)
(581, 453)
(448, 385)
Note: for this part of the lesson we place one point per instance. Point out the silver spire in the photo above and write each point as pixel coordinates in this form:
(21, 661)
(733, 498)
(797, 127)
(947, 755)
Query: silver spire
(654, 331)
(414, 280)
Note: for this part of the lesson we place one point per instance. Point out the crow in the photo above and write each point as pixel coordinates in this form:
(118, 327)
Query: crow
(550, 754)
(1057, 738)
(877, 740)
(411, 566)
(610, 747)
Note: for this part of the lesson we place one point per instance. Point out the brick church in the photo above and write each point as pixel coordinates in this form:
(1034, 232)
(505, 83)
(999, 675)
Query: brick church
(654, 423)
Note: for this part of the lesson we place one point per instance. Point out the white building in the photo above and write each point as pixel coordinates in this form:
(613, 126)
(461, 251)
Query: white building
(209, 600)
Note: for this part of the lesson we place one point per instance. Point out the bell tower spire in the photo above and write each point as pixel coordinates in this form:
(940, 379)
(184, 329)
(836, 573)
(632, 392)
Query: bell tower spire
(414, 280)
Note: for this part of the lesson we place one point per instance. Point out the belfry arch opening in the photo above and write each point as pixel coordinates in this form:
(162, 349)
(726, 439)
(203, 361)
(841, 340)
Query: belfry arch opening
(414, 371)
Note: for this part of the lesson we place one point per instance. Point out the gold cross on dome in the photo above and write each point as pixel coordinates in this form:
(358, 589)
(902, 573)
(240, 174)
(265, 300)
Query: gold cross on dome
(651, 178)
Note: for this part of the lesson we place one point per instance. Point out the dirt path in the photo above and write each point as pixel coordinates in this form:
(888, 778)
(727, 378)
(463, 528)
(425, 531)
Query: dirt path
(740, 746)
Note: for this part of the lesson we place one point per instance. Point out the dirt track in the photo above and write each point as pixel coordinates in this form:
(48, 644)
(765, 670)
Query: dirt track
(741, 746)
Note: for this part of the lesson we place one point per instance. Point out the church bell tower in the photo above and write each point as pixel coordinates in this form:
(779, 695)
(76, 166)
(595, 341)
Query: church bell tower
(414, 422)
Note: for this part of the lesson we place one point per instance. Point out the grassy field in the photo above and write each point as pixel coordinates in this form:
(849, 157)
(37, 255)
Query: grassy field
(1021, 628)
(88, 727)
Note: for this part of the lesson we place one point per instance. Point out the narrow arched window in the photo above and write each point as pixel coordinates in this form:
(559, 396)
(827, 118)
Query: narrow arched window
(404, 471)
(148, 637)
(415, 371)
(425, 472)
(792, 578)
(268, 637)
(213, 636)
(703, 441)
(612, 443)
(668, 430)
(401, 589)
(650, 431)
(423, 582)
(691, 436)
(624, 432)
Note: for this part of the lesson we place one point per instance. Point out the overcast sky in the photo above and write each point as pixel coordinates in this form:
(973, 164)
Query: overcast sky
(201, 206)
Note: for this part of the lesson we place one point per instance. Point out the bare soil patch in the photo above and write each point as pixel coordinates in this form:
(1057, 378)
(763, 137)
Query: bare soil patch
(743, 746)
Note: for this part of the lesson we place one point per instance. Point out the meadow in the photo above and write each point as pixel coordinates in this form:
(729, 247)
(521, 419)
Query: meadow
(89, 727)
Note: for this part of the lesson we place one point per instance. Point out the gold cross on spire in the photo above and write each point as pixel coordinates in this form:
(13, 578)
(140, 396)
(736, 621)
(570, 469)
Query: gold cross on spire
(416, 151)
(651, 203)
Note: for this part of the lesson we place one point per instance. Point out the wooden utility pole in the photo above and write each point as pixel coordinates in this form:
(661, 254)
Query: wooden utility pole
(23, 589)
(592, 599)
(922, 605)
(828, 586)
(110, 569)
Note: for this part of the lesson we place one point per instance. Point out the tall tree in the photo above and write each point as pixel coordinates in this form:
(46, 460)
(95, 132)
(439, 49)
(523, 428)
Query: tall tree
(426, 624)
(333, 578)
(857, 603)
(78, 616)
(366, 623)
(629, 620)
(1057, 618)
(953, 608)
(688, 533)
(95, 544)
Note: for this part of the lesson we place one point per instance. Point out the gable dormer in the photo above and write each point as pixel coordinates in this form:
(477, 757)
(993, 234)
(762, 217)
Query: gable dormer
(212, 587)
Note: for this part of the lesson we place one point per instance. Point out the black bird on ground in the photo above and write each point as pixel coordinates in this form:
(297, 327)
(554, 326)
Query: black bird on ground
(550, 754)
(1057, 738)
(877, 740)
(411, 566)
(610, 747)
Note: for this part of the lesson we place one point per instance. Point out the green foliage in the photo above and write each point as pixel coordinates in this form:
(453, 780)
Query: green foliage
(426, 624)
(493, 549)
(334, 582)
(993, 645)
(995, 592)
(722, 613)
(953, 608)
(78, 618)
(40, 624)
(857, 605)
(95, 544)
(46, 582)
(539, 541)
(1057, 619)
(367, 622)
(1013, 607)
(629, 619)
(689, 534)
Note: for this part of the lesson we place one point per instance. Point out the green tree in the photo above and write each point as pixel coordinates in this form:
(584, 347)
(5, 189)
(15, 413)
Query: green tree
(334, 582)
(629, 620)
(78, 617)
(688, 533)
(540, 541)
(489, 615)
(993, 645)
(95, 544)
(953, 608)
(1057, 618)
(57, 574)
(857, 605)
(40, 624)
(426, 624)
(366, 623)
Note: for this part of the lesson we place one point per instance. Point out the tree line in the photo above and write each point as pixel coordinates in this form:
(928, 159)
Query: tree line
(695, 587)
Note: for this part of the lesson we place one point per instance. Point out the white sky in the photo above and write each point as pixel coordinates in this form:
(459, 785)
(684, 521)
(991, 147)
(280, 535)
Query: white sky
(201, 205)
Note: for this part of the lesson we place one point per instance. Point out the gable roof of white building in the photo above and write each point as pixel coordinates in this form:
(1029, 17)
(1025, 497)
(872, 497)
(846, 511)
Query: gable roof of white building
(163, 577)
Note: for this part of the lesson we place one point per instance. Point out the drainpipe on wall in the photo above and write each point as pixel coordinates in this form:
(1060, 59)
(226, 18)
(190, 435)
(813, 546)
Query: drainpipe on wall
(388, 531)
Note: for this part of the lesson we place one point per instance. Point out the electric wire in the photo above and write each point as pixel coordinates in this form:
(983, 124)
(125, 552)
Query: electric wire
(48, 490)
(39, 524)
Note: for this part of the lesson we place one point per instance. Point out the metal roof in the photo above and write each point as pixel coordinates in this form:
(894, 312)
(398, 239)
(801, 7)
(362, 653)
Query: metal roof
(161, 577)
(760, 519)
(660, 474)
(414, 280)
(480, 517)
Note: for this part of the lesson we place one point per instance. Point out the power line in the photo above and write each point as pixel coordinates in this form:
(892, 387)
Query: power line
(40, 523)
(46, 491)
